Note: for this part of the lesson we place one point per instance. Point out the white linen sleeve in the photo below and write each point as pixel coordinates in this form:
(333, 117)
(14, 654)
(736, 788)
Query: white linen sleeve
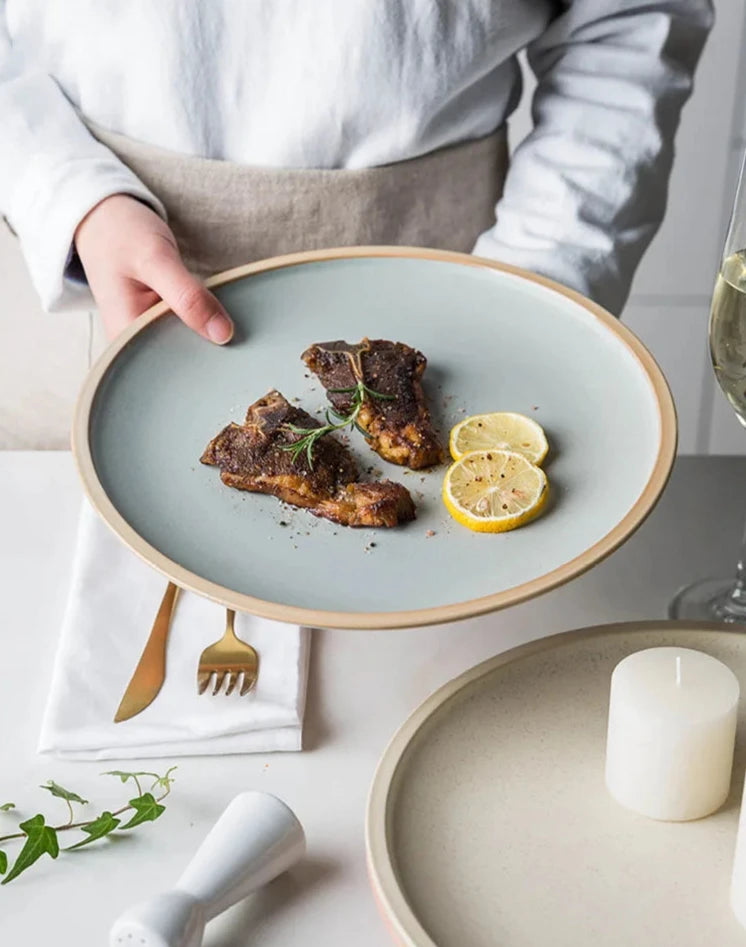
(587, 189)
(52, 172)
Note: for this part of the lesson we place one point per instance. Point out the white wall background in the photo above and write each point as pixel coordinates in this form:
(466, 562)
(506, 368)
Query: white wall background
(43, 357)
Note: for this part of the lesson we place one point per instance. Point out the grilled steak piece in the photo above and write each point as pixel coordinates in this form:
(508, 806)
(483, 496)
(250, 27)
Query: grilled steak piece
(397, 425)
(251, 456)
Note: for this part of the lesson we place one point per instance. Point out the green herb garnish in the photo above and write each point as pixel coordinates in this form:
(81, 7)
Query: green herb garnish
(308, 436)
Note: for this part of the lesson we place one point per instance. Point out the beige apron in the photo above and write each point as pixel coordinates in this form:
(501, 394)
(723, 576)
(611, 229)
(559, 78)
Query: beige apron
(224, 214)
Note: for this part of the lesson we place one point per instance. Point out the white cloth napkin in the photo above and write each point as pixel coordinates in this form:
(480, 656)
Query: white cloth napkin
(113, 601)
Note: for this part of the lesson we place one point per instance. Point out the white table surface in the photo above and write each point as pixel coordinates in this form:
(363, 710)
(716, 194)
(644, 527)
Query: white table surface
(362, 686)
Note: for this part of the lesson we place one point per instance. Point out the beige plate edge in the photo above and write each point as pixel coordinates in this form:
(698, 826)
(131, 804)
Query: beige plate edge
(378, 620)
(400, 919)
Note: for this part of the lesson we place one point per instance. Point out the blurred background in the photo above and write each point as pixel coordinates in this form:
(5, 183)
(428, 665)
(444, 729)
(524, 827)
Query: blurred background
(43, 357)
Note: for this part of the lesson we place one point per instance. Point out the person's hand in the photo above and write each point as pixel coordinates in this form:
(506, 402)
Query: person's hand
(131, 261)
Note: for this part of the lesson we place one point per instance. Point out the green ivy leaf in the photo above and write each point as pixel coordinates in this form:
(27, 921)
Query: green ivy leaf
(7, 806)
(146, 810)
(96, 829)
(41, 839)
(125, 776)
(61, 793)
(3, 863)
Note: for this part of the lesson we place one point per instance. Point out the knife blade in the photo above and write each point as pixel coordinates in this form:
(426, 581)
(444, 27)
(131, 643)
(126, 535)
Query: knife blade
(150, 672)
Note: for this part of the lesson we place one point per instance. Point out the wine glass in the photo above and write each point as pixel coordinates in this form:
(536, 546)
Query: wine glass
(725, 599)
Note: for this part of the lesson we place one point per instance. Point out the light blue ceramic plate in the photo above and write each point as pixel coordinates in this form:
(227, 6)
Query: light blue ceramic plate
(496, 339)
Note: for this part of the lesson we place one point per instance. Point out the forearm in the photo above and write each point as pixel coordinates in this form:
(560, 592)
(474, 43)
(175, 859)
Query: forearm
(586, 191)
(52, 172)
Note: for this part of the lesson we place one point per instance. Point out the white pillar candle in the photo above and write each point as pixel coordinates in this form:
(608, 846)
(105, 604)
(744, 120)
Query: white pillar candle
(672, 727)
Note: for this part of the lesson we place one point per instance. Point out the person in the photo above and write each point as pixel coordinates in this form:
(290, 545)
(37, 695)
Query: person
(147, 144)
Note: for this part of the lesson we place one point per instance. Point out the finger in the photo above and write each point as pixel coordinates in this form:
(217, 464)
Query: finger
(114, 322)
(193, 304)
(121, 304)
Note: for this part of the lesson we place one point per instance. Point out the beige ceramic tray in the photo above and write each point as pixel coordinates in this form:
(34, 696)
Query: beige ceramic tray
(489, 824)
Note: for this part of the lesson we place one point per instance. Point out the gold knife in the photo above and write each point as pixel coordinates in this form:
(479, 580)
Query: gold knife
(151, 668)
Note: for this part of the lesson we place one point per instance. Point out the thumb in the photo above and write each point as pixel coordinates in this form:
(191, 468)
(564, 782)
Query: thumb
(196, 306)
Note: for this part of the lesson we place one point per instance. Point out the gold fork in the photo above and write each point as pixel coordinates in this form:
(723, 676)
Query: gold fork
(228, 658)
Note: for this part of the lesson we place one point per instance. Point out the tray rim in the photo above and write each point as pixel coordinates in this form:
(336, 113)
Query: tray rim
(399, 917)
(453, 611)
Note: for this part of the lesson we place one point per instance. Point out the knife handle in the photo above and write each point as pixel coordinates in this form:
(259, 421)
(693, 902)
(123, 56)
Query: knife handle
(155, 648)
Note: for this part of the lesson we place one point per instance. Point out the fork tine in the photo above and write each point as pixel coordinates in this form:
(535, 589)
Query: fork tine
(219, 678)
(232, 681)
(203, 680)
(247, 684)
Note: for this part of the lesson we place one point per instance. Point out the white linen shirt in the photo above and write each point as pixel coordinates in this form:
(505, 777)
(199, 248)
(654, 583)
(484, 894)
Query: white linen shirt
(354, 84)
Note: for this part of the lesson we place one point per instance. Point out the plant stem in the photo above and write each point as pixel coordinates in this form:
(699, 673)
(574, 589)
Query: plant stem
(78, 825)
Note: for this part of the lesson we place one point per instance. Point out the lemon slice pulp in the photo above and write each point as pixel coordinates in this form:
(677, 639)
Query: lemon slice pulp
(501, 430)
(492, 491)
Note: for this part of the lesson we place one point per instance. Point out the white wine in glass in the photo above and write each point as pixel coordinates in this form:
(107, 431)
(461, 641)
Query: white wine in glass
(728, 331)
(725, 599)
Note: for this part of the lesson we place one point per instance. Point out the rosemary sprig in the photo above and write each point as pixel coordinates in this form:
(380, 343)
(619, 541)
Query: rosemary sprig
(309, 436)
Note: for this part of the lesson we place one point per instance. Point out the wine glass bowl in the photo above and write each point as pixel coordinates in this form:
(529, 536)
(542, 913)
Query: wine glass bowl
(728, 332)
(724, 599)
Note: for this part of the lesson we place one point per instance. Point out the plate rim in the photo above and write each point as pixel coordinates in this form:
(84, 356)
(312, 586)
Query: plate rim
(432, 615)
(399, 917)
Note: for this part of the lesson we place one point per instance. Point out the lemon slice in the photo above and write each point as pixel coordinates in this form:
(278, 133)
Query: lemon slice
(492, 491)
(502, 430)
